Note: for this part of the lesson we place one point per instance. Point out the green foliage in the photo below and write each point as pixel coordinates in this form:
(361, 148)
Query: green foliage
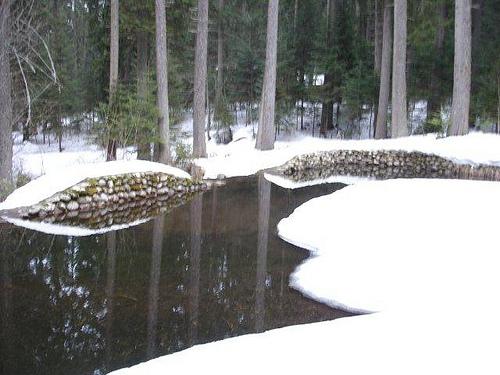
(131, 120)
(77, 35)
(434, 124)
(183, 154)
(223, 117)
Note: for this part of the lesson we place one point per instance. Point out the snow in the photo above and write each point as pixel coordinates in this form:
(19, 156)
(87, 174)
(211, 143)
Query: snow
(35, 159)
(287, 183)
(239, 158)
(68, 230)
(63, 178)
(421, 253)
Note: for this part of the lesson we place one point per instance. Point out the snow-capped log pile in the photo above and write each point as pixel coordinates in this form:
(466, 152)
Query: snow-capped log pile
(383, 164)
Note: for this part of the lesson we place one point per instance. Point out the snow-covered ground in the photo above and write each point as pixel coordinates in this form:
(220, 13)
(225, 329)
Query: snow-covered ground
(423, 253)
(35, 158)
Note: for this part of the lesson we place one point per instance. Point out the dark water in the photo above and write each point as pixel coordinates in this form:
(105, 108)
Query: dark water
(208, 270)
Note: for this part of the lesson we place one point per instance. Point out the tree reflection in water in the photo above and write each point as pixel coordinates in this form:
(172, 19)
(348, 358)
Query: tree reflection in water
(264, 199)
(207, 270)
(154, 284)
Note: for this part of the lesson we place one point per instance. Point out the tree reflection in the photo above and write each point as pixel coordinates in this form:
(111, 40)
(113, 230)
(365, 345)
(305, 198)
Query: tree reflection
(262, 241)
(6, 304)
(110, 291)
(194, 266)
(154, 283)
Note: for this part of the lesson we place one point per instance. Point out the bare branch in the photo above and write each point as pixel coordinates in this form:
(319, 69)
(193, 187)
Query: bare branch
(28, 96)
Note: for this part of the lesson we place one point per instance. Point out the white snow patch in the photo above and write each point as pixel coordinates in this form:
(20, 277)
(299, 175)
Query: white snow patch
(287, 183)
(51, 183)
(399, 244)
(67, 230)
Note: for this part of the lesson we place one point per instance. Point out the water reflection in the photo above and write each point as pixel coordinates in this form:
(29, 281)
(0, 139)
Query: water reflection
(6, 308)
(207, 270)
(194, 266)
(264, 191)
(110, 292)
(154, 284)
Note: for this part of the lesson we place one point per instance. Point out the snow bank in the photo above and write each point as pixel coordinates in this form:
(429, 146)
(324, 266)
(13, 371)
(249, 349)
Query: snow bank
(68, 230)
(239, 158)
(372, 344)
(48, 184)
(385, 245)
(423, 253)
(287, 183)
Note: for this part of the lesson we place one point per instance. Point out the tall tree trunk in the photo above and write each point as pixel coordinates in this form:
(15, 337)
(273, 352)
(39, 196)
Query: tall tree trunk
(265, 133)
(5, 97)
(433, 100)
(220, 55)
(462, 69)
(399, 105)
(378, 36)
(385, 74)
(200, 80)
(113, 74)
(162, 81)
(143, 148)
(327, 105)
(220, 67)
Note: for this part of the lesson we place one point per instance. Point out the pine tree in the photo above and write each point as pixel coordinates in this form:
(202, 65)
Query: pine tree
(462, 69)
(5, 97)
(162, 81)
(265, 134)
(200, 81)
(399, 122)
(113, 75)
(385, 78)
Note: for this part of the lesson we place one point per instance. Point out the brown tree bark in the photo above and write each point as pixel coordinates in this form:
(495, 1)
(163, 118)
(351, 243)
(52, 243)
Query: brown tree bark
(385, 74)
(266, 130)
(200, 81)
(162, 81)
(113, 74)
(462, 69)
(399, 105)
(5, 97)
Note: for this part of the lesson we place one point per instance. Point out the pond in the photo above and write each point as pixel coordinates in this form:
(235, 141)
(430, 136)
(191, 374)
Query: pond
(207, 270)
